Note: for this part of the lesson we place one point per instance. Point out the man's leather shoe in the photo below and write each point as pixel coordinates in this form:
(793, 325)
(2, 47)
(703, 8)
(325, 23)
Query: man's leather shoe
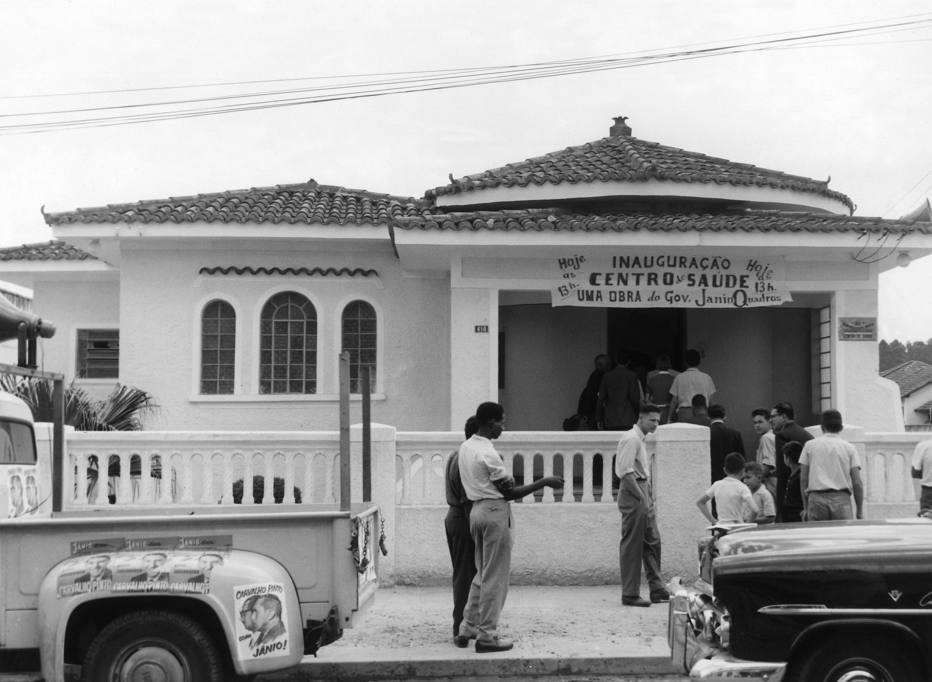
(485, 646)
(466, 633)
(634, 601)
(659, 596)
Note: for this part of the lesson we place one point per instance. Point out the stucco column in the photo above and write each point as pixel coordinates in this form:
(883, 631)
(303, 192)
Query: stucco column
(383, 488)
(681, 474)
(862, 396)
(473, 351)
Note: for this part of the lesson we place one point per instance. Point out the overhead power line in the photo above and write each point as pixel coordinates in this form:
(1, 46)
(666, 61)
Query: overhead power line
(378, 85)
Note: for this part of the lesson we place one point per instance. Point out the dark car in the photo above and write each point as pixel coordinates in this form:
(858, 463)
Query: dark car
(836, 601)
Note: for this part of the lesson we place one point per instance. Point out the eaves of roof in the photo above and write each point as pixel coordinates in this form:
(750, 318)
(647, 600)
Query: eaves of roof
(628, 159)
(53, 250)
(305, 203)
(738, 221)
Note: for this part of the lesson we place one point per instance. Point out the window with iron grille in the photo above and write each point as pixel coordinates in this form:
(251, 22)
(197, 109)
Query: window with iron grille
(359, 338)
(218, 348)
(288, 345)
(98, 354)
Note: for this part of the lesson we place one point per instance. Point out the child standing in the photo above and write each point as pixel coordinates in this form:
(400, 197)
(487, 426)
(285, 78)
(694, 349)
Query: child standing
(754, 479)
(793, 500)
(734, 502)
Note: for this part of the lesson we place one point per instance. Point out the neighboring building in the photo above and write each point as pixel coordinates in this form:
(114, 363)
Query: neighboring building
(231, 308)
(915, 381)
(22, 299)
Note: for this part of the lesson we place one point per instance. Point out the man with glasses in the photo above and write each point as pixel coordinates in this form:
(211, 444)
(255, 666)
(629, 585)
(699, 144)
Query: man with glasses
(785, 430)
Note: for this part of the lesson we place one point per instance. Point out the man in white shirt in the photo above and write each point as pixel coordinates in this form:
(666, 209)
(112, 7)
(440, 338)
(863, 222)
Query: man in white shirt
(830, 473)
(640, 539)
(489, 487)
(766, 448)
(688, 384)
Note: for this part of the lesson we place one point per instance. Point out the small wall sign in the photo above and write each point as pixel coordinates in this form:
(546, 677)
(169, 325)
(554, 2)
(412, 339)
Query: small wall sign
(482, 329)
(857, 329)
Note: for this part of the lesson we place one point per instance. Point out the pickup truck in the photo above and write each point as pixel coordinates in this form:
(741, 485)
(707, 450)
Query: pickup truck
(170, 594)
(844, 601)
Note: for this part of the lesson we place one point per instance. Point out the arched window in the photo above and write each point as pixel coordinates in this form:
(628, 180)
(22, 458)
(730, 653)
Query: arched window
(288, 345)
(359, 338)
(218, 348)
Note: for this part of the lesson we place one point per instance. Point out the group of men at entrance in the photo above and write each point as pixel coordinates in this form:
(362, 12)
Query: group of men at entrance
(479, 488)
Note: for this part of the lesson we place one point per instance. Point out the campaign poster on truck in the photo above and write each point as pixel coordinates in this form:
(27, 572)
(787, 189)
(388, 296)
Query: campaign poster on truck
(22, 489)
(260, 629)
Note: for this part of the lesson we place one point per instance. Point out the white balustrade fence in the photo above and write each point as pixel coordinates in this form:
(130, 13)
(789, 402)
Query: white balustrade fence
(200, 468)
(190, 468)
(582, 458)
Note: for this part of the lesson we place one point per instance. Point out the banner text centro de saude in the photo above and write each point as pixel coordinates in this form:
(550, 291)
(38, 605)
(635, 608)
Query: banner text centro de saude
(670, 281)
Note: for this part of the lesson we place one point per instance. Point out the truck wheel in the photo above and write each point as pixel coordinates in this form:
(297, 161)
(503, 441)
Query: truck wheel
(858, 658)
(156, 646)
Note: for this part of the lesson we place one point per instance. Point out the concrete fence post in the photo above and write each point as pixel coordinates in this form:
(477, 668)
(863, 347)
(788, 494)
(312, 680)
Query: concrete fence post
(681, 474)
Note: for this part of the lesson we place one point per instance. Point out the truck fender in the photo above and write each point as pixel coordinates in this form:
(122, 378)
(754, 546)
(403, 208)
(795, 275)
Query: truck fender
(247, 601)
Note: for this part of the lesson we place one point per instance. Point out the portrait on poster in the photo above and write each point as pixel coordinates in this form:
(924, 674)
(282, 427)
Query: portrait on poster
(261, 630)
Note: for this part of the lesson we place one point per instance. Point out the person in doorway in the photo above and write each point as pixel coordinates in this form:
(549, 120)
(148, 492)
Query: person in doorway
(489, 487)
(830, 474)
(722, 440)
(785, 430)
(456, 527)
(640, 539)
(691, 382)
(921, 469)
(619, 397)
(754, 479)
(589, 398)
(659, 382)
(793, 501)
(766, 448)
(733, 500)
(698, 414)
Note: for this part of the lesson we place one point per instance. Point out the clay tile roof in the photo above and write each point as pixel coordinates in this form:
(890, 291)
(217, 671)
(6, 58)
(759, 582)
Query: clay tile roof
(44, 251)
(304, 203)
(628, 159)
(747, 221)
(910, 376)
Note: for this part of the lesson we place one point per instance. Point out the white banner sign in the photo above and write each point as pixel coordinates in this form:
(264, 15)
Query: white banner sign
(669, 281)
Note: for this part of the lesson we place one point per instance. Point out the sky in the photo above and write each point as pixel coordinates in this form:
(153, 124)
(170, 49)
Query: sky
(855, 110)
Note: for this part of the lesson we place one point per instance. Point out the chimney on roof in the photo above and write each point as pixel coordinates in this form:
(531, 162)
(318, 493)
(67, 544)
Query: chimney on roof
(620, 129)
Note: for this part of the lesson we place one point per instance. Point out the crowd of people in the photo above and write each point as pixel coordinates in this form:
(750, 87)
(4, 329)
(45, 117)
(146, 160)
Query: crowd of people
(790, 477)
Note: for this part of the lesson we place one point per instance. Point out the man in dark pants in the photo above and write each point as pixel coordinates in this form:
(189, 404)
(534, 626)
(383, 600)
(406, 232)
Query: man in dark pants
(619, 397)
(640, 539)
(459, 540)
(785, 430)
(723, 440)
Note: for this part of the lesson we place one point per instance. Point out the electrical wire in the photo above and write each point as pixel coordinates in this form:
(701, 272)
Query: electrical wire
(409, 82)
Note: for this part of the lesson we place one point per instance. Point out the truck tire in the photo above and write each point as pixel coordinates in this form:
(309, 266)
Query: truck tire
(160, 646)
(881, 658)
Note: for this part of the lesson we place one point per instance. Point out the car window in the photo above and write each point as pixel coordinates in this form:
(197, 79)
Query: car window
(17, 444)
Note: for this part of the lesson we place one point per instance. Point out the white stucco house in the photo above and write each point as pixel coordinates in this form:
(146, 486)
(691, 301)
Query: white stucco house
(231, 307)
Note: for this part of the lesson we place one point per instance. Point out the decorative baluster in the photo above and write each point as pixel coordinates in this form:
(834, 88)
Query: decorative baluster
(607, 478)
(587, 495)
(77, 470)
(248, 478)
(165, 486)
(145, 479)
(548, 471)
(207, 481)
(125, 483)
(289, 478)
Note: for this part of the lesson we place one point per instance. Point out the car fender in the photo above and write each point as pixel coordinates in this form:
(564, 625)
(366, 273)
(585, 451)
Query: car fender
(874, 625)
(228, 581)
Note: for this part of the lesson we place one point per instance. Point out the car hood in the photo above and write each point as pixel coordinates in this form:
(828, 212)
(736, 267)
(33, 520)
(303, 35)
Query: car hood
(832, 542)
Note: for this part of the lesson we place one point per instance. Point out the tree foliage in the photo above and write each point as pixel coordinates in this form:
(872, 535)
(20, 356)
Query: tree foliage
(122, 410)
(896, 353)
